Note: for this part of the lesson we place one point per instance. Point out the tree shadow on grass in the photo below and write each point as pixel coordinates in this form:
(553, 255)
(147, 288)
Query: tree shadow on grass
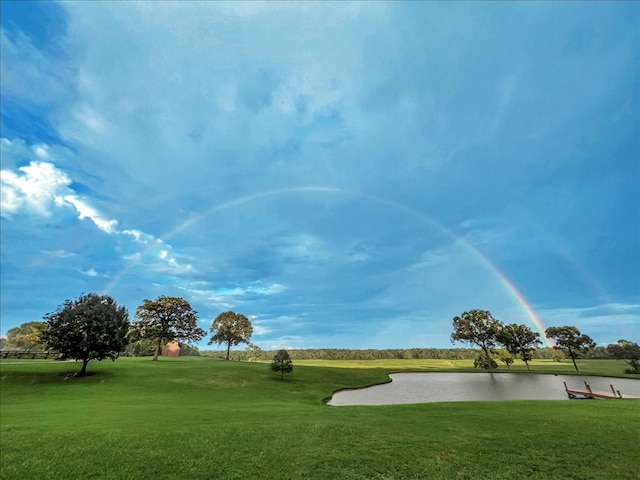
(52, 377)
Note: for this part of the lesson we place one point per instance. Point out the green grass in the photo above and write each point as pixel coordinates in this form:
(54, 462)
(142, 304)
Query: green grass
(606, 368)
(198, 418)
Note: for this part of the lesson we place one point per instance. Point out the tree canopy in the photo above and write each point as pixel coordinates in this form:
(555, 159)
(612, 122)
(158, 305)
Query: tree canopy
(166, 319)
(93, 327)
(478, 327)
(26, 336)
(282, 363)
(519, 340)
(570, 339)
(231, 328)
(627, 351)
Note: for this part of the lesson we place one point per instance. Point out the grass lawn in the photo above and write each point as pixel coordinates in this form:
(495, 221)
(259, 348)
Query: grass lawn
(200, 418)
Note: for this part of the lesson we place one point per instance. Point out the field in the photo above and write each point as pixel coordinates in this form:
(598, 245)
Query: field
(200, 418)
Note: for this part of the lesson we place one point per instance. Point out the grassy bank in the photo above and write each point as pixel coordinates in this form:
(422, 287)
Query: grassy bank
(606, 368)
(200, 418)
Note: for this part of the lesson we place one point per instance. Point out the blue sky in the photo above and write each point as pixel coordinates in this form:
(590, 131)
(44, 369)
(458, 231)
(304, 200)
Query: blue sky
(347, 175)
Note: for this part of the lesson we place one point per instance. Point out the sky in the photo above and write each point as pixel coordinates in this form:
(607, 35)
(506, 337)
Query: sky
(345, 174)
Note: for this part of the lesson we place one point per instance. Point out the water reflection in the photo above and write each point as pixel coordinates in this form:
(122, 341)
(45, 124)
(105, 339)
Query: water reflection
(459, 387)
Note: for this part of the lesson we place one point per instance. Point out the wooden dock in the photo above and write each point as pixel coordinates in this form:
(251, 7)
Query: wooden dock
(588, 393)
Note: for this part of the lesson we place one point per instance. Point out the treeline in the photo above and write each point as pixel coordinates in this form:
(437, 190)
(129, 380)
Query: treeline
(255, 354)
(146, 348)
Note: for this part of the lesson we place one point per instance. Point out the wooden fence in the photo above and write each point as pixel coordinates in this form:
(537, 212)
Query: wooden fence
(29, 354)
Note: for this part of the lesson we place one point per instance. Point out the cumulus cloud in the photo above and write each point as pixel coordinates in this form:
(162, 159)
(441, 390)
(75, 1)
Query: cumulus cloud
(86, 211)
(90, 272)
(41, 188)
(35, 188)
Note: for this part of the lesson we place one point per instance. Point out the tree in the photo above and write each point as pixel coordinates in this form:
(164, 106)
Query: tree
(93, 327)
(254, 352)
(141, 347)
(187, 350)
(570, 339)
(231, 328)
(519, 340)
(166, 319)
(485, 362)
(558, 355)
(627, 351)
(26, 336)
(282, 363)
(478, 327)
(505, 357)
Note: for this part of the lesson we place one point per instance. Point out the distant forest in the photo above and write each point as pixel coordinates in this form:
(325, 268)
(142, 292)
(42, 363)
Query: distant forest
(255, 354)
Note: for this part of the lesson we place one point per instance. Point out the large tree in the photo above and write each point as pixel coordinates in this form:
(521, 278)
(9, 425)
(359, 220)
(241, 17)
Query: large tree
(93, 327)
(570, 339)
(282, 363)
(478, 327)
(519, 340)
(627, 351)
(26, 336)
(231, 328)
(166, 319)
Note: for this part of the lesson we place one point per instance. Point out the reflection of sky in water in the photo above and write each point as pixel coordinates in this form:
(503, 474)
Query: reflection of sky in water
(452, 387)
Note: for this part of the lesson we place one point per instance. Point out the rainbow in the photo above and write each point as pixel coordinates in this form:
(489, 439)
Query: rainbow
(508, 286)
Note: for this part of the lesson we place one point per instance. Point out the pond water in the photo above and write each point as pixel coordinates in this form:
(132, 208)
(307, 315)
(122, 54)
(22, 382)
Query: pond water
(461, 387)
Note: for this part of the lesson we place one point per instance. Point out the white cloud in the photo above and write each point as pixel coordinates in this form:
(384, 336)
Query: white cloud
(41, 186)
(28, 74)
(139, 236)
(91, 272)
(41, 151)
(34, 188)
(86, 211)
(597, 321)
(281, 346)
(90, 119)
(266, 289)
(59, 253)
(260, 330)
(359, 257)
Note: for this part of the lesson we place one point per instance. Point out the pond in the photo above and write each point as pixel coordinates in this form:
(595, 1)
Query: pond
(461, 387)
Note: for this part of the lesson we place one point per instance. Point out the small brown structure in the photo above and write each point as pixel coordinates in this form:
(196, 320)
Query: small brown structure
(171, 349)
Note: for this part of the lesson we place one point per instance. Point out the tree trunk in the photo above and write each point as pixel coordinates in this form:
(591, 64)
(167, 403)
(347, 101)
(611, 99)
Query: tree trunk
(487, 352)
(83, 371)
(157, 352)
(228, 348)
(282, 371)
(527, 364)
(573, 359)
